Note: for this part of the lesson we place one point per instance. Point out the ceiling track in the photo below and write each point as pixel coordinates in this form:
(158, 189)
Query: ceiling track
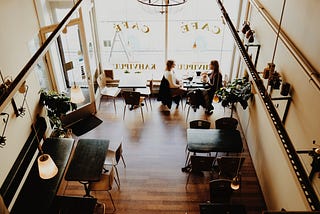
(297, 166)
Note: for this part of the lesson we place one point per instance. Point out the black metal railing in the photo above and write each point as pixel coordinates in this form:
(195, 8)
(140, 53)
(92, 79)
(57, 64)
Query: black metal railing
(297, 166)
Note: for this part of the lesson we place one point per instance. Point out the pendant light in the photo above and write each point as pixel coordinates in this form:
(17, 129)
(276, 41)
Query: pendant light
(76, 94)
(269, 71)
(235, 183)
(46, 166)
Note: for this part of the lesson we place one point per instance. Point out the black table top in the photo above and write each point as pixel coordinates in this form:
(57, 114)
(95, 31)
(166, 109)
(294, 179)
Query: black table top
(194, 85)
(214, 140)
(73, 205)
(87, 161)
(208, 208)
(37, 195)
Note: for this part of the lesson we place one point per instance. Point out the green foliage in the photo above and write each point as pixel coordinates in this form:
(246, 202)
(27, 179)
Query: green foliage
(239, 90)
(56, 105)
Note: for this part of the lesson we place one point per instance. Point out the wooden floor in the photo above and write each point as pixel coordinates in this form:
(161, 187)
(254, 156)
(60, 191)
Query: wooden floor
(155, 152)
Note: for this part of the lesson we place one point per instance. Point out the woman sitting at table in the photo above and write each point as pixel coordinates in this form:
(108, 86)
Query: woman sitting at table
(170, 87)
(175, 85)
(215, 82)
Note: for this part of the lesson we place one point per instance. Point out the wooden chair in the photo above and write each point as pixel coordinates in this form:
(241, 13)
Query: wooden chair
(113, 158)
(132, 98)
(200, 164)
(220, 191)
(146, 93)
(109, 92)
(105, 184)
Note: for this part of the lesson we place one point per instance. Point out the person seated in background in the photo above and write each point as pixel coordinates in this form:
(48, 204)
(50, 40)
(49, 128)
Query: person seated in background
(170, 80)
(215, 82)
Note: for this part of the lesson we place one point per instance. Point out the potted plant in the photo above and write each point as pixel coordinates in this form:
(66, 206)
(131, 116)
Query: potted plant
(239, 90)
(57, 105)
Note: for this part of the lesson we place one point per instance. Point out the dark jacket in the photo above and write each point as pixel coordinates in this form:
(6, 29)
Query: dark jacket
(165, 93)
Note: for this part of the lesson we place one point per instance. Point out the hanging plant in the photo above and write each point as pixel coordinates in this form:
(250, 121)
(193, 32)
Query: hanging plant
(56, 105)
(239, 90)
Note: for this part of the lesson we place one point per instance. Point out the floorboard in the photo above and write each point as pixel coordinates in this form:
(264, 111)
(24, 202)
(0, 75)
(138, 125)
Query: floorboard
(155, 152)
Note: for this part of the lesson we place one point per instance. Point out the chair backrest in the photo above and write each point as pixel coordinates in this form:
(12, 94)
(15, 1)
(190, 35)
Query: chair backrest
(131, 97)
(226, 123)
(201, 163)
(193, 98)
(228, 166)
(101, 81)
(220, 191)
(119, 152)
(200, 124)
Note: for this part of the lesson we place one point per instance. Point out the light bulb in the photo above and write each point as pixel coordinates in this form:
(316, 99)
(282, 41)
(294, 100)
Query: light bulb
(216, 98)
(235, 183)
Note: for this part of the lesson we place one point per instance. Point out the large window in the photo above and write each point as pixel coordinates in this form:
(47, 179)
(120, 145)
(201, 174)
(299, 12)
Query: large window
(132, 37)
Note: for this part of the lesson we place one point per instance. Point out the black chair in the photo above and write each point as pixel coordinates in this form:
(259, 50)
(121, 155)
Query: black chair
(226, 123)
(220, 191)
(229, 167)
(200, 164)
(199, 124)
(193, 100)
(209, 208)
(132, 98)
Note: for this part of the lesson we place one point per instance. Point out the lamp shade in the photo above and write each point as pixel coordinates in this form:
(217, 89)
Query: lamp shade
(235, 183)
(76, 94)
(47, 168)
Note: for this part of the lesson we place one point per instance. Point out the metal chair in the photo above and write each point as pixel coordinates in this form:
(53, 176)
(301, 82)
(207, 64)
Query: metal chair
(199, 124)
(226, 123)
(104, 184)
(192, 99)
(113, 158)
(146, 93)
(229, 167)
(132, 98)
(109, 92)
(200, 164)
(220, 191)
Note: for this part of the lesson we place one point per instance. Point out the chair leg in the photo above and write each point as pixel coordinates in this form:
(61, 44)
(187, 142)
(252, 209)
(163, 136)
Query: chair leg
(124, 111)
(150, 102)
(145, 102)
(187, 159)
(114, 207)
(188, 180)
(124, 163)
(188, 113)
(141, 113)
(118, 185)
(117, 173)
(114, 105)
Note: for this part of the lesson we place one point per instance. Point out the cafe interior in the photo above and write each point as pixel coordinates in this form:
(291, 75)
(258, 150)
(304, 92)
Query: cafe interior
(90, 122)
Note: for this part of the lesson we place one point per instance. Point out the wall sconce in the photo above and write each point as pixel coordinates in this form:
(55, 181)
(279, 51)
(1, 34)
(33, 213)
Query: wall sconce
(20, 112)
(2, 137)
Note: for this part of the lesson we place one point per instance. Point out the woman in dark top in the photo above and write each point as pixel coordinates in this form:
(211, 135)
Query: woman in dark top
(215, 78)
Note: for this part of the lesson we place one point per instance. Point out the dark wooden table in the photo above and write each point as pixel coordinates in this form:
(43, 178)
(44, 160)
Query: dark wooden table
(214, 140)
(72, 205)
(87, 162)
(208, 208)
(37, 195)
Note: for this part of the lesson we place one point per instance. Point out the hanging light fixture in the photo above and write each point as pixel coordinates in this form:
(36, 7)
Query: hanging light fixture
(235, 183)
(161, 5)
(46, 166)
(76, 94)
(269, 72)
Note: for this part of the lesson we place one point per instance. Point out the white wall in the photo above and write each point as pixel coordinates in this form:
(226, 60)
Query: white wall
(18, 26)
(278, 181)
